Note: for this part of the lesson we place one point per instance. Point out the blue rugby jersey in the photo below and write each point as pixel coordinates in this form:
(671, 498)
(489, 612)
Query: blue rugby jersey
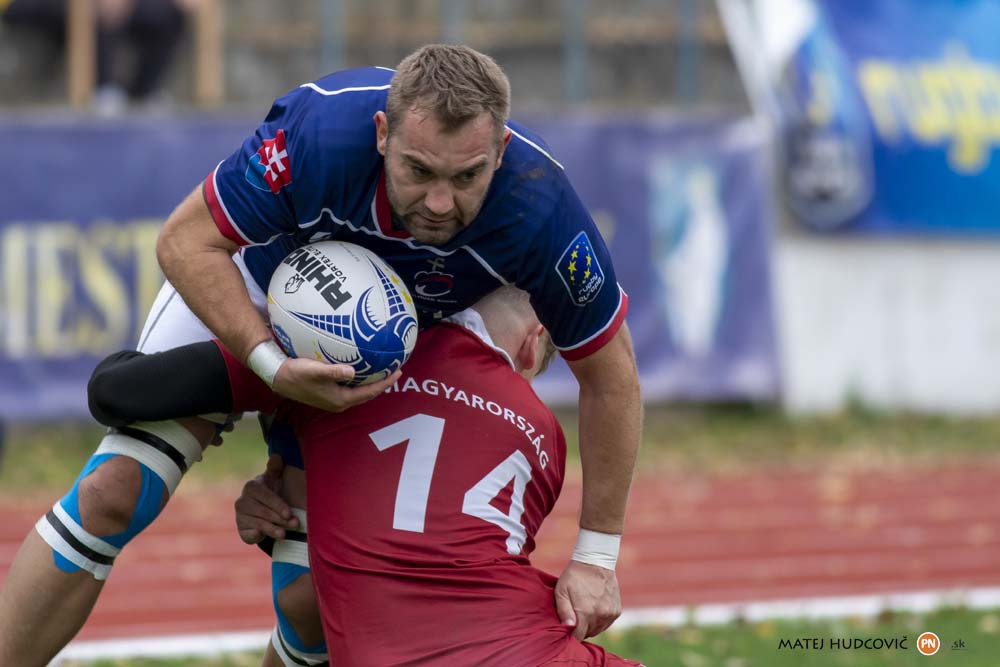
(312, 172)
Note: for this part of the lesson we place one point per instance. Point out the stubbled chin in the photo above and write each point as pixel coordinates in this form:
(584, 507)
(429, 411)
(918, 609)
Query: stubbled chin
(431, 235)
(432, 238)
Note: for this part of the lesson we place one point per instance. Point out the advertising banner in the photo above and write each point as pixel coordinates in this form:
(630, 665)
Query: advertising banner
(888, 113)
(684, 205)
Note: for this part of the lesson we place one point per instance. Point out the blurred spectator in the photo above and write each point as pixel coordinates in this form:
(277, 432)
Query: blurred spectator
(136, 42)
(152, 29)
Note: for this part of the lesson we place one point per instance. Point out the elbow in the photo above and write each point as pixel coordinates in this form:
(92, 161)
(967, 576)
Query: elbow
(167, 252)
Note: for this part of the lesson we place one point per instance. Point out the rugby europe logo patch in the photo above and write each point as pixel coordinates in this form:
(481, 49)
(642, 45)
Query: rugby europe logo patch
(270, 169)
(579, 270)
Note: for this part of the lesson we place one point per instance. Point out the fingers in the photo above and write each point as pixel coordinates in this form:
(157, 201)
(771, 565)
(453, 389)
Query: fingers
(256, 522)
(370, 391)
(340, 372)
(260, 510)
(564, 607)
(250, 535)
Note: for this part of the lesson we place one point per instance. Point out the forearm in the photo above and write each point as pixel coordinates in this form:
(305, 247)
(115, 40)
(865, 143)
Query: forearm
(197, 260)
(610, 424)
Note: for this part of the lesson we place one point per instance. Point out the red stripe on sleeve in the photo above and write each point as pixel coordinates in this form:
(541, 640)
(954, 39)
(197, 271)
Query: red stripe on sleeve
(603, 338)
(219, 214)
(249, 391)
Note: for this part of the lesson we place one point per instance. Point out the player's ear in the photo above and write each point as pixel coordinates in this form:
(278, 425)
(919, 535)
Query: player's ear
(527, 354)
(504, 140)
(381, 131)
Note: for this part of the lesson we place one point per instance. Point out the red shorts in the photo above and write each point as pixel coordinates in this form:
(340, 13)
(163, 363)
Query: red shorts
(585, 654)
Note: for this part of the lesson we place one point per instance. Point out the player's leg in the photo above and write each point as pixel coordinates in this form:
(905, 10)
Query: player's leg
(61, 567)
(298, 636)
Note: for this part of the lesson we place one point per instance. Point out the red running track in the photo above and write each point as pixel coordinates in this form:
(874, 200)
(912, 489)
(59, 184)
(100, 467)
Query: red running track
(690, 540)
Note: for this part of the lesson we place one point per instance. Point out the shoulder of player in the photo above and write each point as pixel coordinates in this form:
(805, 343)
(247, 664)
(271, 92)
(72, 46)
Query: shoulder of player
(530, 179)
(531, 147)
(343, 100)
(361, 82)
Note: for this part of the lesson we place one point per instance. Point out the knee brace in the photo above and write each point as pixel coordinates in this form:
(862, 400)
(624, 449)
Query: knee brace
(164, 451)
(289, 561)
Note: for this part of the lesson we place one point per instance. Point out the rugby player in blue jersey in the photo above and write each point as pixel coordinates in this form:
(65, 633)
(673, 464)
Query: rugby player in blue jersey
(422, 166)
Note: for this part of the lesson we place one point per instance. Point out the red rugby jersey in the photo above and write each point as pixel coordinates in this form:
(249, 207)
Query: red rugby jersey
(423, 505)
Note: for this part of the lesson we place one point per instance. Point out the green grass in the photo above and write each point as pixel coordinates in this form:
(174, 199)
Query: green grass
(739, 437)
(743, 644)
(757, 644)
(681, 438)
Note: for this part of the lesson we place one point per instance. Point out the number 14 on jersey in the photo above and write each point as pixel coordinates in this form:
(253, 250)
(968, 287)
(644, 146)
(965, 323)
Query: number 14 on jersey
(422, 435)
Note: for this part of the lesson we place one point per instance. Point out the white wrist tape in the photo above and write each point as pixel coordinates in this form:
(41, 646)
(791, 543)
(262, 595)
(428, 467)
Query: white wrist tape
(600, 549)
(265, 360)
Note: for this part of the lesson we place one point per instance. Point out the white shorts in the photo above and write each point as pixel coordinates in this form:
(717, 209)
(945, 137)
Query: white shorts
(171, 323)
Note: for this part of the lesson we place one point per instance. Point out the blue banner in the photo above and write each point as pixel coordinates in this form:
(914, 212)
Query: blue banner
(686, 209)
(888, 111)
(684, 205)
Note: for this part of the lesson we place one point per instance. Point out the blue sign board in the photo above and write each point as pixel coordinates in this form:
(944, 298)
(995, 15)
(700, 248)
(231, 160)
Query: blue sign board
(684, 205)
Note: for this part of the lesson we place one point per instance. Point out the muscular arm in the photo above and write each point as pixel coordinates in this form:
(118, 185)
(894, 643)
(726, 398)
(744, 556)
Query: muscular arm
(196, 259)
(587, 595)
(610, 423)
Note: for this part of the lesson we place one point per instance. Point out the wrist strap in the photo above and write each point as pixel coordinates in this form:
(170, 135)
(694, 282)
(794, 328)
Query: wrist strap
(265, 360)
(594, 548)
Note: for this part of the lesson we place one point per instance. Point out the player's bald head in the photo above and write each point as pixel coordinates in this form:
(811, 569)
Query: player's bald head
(454, 83)
(510, 318)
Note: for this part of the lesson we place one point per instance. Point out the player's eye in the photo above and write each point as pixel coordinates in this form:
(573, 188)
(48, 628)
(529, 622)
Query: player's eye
(467, 177)
(419, 172)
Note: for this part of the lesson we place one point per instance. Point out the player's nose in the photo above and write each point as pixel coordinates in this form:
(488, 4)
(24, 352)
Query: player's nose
(440, 200)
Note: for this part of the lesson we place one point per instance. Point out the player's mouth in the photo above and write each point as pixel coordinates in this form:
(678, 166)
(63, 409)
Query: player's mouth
(433, 222)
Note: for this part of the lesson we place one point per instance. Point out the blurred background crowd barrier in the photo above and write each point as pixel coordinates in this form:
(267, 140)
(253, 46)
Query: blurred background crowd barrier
(799, 194)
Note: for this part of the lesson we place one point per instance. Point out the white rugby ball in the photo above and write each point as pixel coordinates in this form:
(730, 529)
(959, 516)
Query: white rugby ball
(341, 303)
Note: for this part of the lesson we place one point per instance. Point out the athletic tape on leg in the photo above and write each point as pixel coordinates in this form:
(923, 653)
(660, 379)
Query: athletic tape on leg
(164, 452)
(68, 538)
(294, 548)
(289, 561)
(291, 657)
(166, 448)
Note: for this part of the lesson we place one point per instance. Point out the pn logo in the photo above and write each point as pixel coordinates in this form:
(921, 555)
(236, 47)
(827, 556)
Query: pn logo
(928, 643)
(270, 169)
(579, 270)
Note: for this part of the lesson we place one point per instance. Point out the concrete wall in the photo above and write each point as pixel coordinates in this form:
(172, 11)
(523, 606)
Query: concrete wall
(901, 324)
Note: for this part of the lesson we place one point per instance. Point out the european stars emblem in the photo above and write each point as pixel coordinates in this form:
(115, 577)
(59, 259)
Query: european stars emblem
(579, 270)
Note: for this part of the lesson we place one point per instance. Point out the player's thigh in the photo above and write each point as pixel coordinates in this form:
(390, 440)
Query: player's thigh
(171, 323)
(584, 654)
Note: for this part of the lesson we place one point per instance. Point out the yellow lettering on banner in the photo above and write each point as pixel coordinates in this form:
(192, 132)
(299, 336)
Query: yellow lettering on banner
(14, 324)
(104, 287)
(53, 243)
(883, 90)
(148, 277)
(954, 100)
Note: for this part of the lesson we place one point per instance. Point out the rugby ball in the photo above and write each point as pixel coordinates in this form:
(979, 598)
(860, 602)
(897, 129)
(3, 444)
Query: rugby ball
(340, 303)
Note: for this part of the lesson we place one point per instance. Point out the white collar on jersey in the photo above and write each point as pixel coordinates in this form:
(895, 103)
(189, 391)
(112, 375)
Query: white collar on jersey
(472, 321)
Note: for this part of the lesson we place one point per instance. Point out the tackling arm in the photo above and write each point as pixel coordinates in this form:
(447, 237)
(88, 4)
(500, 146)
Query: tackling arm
(587, 594)
(196, 259)
(610, 423)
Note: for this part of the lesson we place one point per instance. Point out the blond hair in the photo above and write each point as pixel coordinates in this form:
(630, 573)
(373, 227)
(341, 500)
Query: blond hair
(454, 83)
